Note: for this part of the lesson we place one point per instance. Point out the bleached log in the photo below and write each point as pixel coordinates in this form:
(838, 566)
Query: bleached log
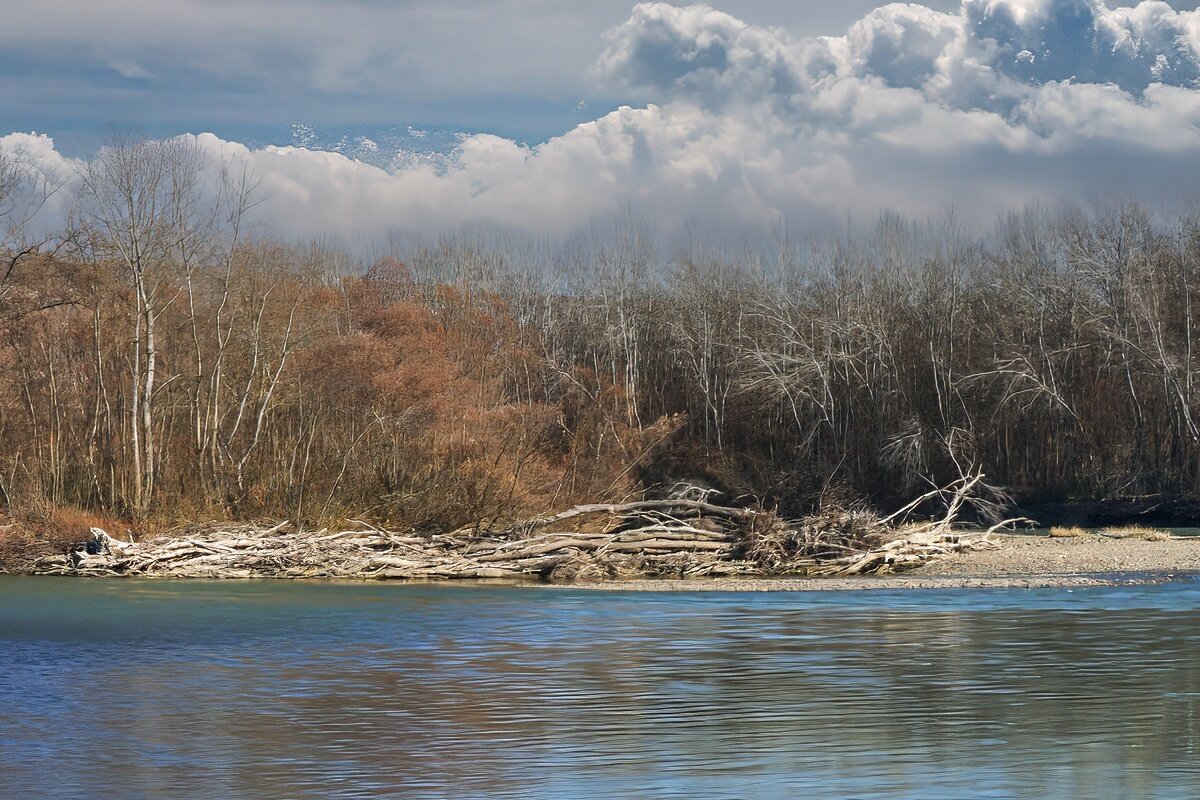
(652, 537)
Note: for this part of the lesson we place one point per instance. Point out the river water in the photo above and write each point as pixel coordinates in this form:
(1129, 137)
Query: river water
(131, 689)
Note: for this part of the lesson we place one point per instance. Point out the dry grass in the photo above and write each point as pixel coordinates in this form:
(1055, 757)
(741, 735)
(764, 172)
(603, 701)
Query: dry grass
(13, 544)
(48, 531)
(1138, 532)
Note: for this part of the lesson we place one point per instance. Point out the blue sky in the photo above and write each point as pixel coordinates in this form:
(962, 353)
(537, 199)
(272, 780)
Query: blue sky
(743, 115)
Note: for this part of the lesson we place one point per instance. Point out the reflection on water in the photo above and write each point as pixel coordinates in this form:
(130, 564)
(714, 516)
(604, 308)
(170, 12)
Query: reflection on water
(273, 690)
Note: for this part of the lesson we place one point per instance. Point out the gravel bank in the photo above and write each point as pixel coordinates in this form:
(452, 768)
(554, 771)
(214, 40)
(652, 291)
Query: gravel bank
(1021, 561)
(1081, 555)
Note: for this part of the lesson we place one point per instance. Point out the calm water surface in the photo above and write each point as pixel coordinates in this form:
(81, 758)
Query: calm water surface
(130, 689)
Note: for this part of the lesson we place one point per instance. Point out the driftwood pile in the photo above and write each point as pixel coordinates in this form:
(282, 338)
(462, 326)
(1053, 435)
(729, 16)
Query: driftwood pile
(651, 538)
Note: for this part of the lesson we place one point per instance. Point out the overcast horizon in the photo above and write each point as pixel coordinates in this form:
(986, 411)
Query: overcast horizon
(534, 116)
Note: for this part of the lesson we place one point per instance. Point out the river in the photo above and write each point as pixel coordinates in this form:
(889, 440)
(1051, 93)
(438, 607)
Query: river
(140, 689)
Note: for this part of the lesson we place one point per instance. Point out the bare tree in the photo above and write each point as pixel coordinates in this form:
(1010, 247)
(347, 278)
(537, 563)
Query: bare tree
(142, 203)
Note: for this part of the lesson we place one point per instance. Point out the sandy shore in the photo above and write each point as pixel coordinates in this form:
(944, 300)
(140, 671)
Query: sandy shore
(1019, 562)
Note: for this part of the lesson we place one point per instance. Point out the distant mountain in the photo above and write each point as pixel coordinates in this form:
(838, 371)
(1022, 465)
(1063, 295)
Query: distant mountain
(389, 147)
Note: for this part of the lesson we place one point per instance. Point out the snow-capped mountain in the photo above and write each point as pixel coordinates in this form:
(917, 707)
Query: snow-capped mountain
(389, 147)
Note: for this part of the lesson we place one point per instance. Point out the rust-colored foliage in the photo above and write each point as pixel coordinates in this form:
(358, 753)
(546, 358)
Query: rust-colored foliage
(44, 530)
(468, 391)
(443, 443)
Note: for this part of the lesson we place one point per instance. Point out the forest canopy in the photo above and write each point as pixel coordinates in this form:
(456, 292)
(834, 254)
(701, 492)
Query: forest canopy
(160, 361)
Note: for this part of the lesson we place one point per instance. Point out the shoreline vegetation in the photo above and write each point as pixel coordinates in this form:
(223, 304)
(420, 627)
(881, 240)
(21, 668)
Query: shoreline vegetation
(163, 361)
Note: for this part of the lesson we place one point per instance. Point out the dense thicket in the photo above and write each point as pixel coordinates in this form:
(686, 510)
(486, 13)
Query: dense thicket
(157, 361)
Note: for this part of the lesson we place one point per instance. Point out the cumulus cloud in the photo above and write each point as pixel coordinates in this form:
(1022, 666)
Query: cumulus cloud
(698, 53)
(1003, 103)
(988, 55)
(40, 199)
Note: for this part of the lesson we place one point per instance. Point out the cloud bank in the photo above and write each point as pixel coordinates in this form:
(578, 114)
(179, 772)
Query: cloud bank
(735, 126)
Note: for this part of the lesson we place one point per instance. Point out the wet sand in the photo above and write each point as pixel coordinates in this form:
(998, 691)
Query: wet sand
(1019, 561)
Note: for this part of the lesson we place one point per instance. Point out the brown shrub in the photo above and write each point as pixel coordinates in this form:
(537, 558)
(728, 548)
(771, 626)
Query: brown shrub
(41, 531)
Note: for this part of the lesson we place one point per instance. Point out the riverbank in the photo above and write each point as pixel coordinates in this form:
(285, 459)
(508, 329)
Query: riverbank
(877, 583)
(1080, 559)
(1088, 553)
(645, 539)
(1017, 561)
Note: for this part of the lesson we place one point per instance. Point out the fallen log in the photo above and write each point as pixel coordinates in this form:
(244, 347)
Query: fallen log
(646, 538)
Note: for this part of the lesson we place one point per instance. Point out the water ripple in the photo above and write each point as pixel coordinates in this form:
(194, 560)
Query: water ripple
(209, 690)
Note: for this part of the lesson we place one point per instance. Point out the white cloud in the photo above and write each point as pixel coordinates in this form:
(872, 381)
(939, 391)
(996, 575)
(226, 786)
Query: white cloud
(699, 53)
(902, 43)
(42, 200)
(1004, 103)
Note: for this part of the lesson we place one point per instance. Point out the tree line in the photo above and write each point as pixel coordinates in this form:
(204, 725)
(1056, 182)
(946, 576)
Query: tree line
(163, 361)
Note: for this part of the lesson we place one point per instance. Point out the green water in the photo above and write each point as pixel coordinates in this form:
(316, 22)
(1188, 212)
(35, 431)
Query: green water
(128, 689)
